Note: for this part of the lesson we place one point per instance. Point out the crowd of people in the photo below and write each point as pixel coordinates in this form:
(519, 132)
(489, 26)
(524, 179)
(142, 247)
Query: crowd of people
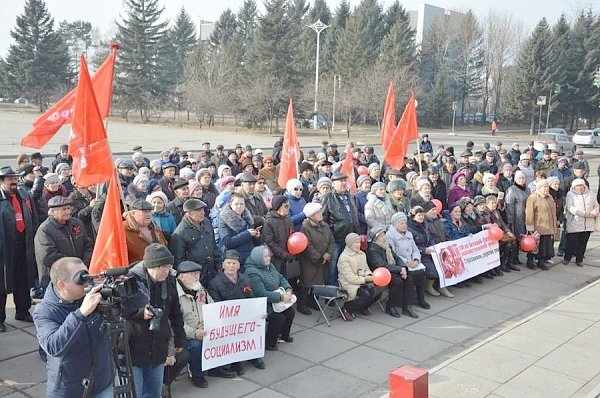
(214, 225)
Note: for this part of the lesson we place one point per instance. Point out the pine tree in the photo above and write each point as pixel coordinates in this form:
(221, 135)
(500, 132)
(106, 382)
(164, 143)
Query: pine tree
(37, 65)
(308, 44)
(330, 43)
(183, 38)
(592, 65)
(563, 72)
(78, 39)
(224, 31)
(142, 39)
(398, 47)
(587, 40)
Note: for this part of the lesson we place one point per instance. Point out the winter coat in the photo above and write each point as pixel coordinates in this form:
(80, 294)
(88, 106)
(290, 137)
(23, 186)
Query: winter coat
(514, 207)
(36, 191)
(196, 243)
(360, 198)
(456, 192)
(270, 175)
(436, 229)
(276, 231)
(265, 279)
(47, 194)
(320, 241)
(559, 198)
(341, 221)
(439, 191)
(404, 246)
(446, 176)
(81, 209)
(420, 234)
(136, 244)
(71, 340)
(400, 206)
(255, 204)
(352, 270)
(133, 192)
(540, 214)
(296, 207)
(175, 207)
(233, 232)
(576, 206)
(191, 310)
(562, 174)
(377, 256)
(166, 185)
(453, 231)
(54, 241)
(209, 196)
(150, 348)
(165, 222)
(378, 212)
(9, 264)
(59, 159)
(222, 288)
(473, 225)
(426, 147)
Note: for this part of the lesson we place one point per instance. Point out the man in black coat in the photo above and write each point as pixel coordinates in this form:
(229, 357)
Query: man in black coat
(62, 157)
(18, 222)
(167, 180)
(60, 235)
(182, 193)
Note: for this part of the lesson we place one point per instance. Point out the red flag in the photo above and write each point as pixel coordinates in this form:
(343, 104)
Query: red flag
(288, 167)
(110, 250)
(389, 117)
(46, 126)
(406, 131)
(92, 160)
(348, 168)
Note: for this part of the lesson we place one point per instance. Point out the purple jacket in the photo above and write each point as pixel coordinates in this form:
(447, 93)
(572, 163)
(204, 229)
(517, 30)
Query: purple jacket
(456, 193)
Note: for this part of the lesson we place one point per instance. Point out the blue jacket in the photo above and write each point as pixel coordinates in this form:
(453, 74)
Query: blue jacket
(561, 174)
(165, 221)
(452, 231)
(296, 207)
(233, 233)
(71, 341)
(360, 198)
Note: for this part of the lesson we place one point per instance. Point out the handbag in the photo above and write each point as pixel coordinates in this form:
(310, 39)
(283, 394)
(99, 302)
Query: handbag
(292, 269)
(282, 306)
(366, 290)
(508, 237)
(558, 234)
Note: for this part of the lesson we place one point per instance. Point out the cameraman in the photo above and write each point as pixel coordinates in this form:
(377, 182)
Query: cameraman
(148, 314)
(68, 330)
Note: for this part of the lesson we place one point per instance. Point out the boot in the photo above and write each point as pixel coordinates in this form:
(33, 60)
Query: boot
(303, 297)
(420, 281)
(429, 288)
(445, 292)
(530, 263)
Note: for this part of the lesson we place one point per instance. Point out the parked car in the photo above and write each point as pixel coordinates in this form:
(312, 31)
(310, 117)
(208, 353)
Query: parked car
(556, 139)
(587, 137)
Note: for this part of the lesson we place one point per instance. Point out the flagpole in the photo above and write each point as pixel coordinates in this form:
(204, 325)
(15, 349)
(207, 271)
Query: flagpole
(419, 154)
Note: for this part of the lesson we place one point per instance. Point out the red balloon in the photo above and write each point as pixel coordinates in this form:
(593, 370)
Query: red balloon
(382, 276)
(528, 244)
(297, 243)
(362, 170)
(438, 205)
(495, 233)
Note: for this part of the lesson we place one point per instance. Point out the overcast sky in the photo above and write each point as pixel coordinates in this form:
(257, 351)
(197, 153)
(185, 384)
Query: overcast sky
(103, 13)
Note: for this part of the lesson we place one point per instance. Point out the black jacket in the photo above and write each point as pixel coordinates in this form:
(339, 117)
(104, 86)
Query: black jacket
(440, 192)
(58, 160)
(175, 207)
(81, 209)
(166, 185)
(377, 257)
(276, 232)
(337, 216)
(221, 288)
(196, 243)
(150, 348)
(54, 241)
(36, 191)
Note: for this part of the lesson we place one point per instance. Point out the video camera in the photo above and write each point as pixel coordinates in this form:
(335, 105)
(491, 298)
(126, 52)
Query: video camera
(114, 290)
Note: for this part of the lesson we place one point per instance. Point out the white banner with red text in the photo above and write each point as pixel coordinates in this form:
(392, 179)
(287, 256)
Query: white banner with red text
(464, 258)
(235, 331)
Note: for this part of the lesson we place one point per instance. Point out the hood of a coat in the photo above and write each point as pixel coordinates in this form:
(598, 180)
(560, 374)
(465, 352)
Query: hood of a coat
(255, 259)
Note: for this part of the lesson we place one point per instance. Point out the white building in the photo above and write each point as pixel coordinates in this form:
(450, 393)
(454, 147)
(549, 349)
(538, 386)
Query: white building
(423, 17)
(205, 28)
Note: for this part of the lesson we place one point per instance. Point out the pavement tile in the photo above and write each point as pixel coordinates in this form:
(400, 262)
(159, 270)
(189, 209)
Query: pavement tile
(572, 323)
(452, 383)
(322, 382)
(591, 385)
(575, 360)
(506, 305)
(526, 344)
(358, 331)
(381, 391)
(39, 390)
(409, 345)
(315, 346)
(579, 308)
(588, 339)
(540, 282)
(476, 316)
(266, 393)
(494, 363)
(217, 388)
(28, 369)
(383, 318)
(536, 382)
(15, 343)
(564, 275)
(278, 368)
(444, 329)
(533, 295)
(367, 363)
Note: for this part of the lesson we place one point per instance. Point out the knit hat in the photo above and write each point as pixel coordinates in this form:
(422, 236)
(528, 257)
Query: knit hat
(51, 178)
(577, 181)
(144, 170)
(478, 199)
(376, 186)
(554, 180)
(352, 238)
(187, 173)
(395, 185)
(155, 162)
(487, 176)
(278, 201)
(428, 206)
(311, 209)
(292, 183)
(157, 194)
(362, 179)
(372, 166)
(193, 185)
(60, 167)
(156, 255)
(410, 176)
(140, 178)
(541, 183)
(324, 181)
(463, 202)
(202, 171)
(137, 156)
(519, 174)
(524, 156)
(374, 233)
(227, 180)
(151, 186)
(416, 209)
(221, 168)
(421, 182)
(396, 218)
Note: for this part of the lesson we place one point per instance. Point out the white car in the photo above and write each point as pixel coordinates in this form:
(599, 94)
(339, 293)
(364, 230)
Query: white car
(556, 139)
(587, 137)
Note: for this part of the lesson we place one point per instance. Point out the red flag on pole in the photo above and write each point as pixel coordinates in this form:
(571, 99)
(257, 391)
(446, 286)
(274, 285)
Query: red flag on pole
(92, 160)
(110, 250)
(406, 131)
(348, 168)
(46, 126)
(388, 124)
(288, 167)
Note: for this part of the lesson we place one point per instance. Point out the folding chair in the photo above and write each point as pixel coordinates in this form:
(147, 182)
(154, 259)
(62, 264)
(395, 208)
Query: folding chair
(331, 295)
(383, 297)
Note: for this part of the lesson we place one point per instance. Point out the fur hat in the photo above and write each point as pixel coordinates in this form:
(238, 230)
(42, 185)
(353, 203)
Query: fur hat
(157, 194)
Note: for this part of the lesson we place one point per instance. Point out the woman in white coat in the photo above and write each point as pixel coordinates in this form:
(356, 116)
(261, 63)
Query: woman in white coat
(581, 210)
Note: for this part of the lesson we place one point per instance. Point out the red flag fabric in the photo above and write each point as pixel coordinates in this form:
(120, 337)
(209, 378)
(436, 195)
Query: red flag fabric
(388, 124)
(110, 249)
(46, 126)
(406, 131)
(348, 168)
(92, 160)
(288, 167)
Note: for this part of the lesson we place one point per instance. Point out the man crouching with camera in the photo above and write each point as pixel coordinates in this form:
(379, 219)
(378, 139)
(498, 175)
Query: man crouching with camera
(148, 314)
(68, 330)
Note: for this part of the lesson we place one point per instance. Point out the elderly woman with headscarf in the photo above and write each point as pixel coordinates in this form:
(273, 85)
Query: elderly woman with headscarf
(403, 245)
(293, 192)
(423, 193)
(354, 276)
(401, 289)
(267, 282)
(314, 261)
(459, 189)
(137, 189)
(581, 211)
(540, 217)
(399, 202)
(378, 210)
(514, 206)
(375, 173)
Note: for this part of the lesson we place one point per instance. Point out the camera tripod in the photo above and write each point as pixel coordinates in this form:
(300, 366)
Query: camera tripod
(118, 338)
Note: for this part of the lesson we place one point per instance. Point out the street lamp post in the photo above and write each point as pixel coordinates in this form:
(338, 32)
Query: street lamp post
(337, 82)
(317, 27)
(554, 88)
